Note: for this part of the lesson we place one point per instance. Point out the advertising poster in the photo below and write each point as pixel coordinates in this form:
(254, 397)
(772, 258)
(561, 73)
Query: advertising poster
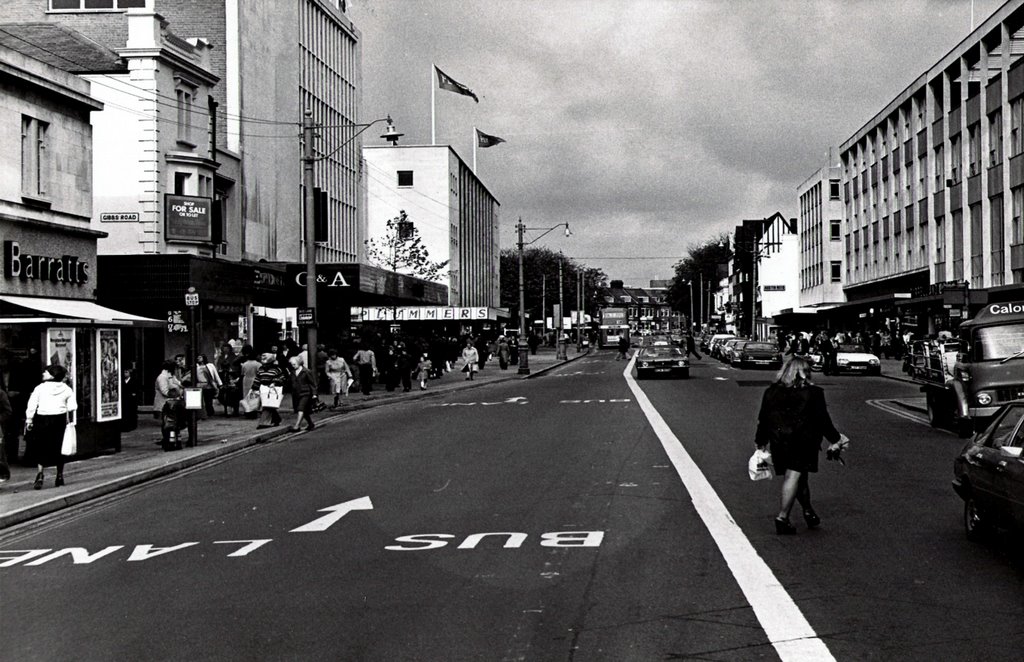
(108, 374)
(60, 350)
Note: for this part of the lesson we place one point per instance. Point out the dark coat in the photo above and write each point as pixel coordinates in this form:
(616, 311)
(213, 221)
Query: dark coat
(303, 384)
(792, 422)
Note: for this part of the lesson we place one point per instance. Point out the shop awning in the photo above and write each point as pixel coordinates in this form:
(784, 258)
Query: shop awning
(68, 311)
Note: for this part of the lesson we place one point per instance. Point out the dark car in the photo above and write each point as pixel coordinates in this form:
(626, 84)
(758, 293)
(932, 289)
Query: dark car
(751, 353)
(989, 474)
(662, 360)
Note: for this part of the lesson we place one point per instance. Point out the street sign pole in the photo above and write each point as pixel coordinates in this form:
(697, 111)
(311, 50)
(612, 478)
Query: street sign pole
(191, 354)
(310, 231)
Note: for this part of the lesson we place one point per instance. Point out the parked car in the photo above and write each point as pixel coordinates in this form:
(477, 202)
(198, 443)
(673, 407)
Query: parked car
(850, 358)
(726, 349)
(662, 360)
(754, 353)
(989, 474)
(715, 342)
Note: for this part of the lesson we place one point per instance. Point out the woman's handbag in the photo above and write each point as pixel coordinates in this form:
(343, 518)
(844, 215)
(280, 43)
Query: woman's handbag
(760, 465)
(70, 444)
(271, 396)
(250, 403)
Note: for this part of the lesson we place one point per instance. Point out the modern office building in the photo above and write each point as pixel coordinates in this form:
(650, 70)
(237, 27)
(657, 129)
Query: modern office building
(452, 210)
(821, 238)
(933, 190)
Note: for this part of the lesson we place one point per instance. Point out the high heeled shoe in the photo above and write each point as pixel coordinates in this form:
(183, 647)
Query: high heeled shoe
(811, 517)
(783, 527)
(38, 484)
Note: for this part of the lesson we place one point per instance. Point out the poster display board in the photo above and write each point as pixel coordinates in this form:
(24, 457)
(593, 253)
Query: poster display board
(60, 350)
(108, 374)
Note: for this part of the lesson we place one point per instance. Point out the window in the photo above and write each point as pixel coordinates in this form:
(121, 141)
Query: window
(973, 149)
(35, 162)
(837, 271)
(185, 97)
(1016, 120)
(833, 189)
(940, 239)
(85, 5)
(181, 183)
(955, 158)
(995, 138)
(405, 177)
(835, 230)
(940, 168)
(1016, 233)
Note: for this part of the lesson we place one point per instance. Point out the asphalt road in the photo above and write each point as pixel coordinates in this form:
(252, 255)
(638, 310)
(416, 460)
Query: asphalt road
(596, 550)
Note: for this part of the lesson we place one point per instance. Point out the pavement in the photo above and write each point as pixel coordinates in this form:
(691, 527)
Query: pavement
(141, 458)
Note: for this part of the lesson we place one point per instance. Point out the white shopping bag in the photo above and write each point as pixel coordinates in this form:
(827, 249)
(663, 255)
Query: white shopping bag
(760, 465)
(271, 396)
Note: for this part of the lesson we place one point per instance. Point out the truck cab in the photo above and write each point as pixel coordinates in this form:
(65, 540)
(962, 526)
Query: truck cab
(967, 379)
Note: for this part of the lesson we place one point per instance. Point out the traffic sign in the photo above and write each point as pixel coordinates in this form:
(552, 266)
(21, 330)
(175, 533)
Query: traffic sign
(191, 299)
(305, 316)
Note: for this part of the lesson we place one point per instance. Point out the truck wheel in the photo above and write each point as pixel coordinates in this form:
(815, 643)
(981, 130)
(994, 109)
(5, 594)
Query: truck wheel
(934, 415)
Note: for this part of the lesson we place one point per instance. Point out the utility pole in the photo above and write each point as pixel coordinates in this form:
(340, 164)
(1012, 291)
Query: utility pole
(579, 313)
(310, 231)
(524, 347)
(560, 352)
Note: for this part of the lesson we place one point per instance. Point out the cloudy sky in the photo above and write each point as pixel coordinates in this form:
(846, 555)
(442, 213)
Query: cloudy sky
(647, 125)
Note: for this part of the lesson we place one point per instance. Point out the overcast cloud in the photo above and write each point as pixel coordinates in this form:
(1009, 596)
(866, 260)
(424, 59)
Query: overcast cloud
(647, 125)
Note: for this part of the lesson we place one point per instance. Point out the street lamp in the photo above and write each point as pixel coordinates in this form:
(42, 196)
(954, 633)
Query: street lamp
(309, 220)
(524, 348)
(690, 325)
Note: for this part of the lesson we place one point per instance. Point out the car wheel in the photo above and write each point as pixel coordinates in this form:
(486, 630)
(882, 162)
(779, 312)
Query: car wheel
(685, 374)
(975, 524)
(964, 428)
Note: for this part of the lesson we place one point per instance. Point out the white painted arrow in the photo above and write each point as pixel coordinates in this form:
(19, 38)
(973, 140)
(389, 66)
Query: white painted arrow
(335, 513)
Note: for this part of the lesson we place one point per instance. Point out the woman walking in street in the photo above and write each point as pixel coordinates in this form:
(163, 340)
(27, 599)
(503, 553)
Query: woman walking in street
(303, 394)
(50, 410)
(792, 421)
(272, 377)
(471, 357)
(209, 381)
(338, 374)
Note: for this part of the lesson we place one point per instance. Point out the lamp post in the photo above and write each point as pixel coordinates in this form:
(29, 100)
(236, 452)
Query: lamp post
(560, 346)
(690, 325)
(524, 348)
(309, 219)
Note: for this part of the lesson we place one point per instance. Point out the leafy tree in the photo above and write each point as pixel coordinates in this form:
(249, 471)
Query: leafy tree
(540, 276)
(401, 249)
(701, 265)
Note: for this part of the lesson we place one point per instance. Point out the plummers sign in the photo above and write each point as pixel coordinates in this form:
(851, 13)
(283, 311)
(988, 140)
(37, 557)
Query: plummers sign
(188, 218)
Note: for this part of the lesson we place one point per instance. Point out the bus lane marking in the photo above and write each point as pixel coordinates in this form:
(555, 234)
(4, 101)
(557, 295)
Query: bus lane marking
(784, 624)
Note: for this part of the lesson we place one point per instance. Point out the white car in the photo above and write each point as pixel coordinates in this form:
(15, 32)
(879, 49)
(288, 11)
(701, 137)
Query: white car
(850, 358)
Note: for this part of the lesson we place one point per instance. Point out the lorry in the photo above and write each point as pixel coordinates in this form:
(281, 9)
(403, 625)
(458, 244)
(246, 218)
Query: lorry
(967, 378)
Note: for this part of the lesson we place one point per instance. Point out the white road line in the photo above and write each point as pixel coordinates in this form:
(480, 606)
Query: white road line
(897, 410)
(783, 622)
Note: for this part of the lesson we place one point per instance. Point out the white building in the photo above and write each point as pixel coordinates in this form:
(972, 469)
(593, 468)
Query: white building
(777, 276)
(452, 209)
(821, 238)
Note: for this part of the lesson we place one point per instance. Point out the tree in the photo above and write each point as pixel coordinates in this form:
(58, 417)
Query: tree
(701, 266)
(401, 249)
(540, 276)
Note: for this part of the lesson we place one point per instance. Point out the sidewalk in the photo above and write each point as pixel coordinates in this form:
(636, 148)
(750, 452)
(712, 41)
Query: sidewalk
(141, 458)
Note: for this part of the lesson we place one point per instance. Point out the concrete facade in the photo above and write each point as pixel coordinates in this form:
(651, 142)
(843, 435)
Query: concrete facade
(455, 213)
(821, 238)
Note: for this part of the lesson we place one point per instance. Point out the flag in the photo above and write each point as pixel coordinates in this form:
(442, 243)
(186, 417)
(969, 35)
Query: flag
(485, 140)
(446, 82)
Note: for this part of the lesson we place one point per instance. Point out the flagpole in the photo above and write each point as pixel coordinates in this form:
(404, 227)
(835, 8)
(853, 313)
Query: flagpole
(474, 150)
(433, 119)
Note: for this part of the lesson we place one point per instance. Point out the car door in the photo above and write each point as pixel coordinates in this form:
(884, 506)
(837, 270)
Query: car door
(987, 462)
(1010, 467)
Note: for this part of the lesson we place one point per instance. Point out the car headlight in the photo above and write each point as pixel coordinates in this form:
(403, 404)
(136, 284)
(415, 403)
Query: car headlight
(681, 364)
(873, 361)
(644, 364)
(984, 398)
(842, 361)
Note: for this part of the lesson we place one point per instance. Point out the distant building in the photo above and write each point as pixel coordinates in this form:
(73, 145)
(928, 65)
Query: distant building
(646, 311)
(821, 238)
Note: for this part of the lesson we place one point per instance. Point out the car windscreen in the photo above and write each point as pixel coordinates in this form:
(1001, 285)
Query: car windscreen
(998, 342)
(658, 352)
(759, 347)
(851, 349)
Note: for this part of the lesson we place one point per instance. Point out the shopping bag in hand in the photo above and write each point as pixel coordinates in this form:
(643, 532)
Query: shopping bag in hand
(760, 465)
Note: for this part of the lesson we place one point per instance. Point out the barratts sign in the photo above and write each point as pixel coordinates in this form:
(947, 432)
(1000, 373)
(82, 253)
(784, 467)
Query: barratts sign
(188, 218)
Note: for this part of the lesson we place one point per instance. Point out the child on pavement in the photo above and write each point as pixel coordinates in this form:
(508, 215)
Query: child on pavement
(423, 369)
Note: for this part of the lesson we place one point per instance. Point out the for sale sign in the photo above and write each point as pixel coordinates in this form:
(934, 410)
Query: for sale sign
(188, 218)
